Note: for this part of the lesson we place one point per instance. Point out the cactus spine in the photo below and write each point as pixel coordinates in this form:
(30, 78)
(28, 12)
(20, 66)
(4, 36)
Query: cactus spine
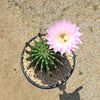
(42, 58)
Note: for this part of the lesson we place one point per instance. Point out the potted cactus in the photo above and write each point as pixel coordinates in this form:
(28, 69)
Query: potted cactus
(44, 59)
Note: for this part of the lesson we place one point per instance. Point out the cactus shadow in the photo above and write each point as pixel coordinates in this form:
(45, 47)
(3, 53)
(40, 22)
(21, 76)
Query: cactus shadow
(69, 96)
(56, 76)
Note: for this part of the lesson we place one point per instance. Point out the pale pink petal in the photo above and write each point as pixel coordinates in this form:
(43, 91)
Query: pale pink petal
(68, 29)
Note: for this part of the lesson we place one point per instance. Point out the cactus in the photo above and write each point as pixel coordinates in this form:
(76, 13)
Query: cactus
(42, 58)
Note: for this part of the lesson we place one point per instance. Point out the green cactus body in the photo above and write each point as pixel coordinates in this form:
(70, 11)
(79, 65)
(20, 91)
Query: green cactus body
(42, 58)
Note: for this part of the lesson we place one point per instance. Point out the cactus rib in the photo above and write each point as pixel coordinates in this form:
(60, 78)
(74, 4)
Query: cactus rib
(42, 58)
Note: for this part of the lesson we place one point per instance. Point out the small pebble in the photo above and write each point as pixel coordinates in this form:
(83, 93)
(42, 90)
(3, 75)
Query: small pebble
(14, 69)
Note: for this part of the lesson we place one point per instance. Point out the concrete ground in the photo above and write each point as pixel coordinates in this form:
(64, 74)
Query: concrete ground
(20, 20)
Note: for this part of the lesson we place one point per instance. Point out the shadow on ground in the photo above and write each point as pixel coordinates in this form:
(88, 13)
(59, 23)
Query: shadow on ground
(71, 96)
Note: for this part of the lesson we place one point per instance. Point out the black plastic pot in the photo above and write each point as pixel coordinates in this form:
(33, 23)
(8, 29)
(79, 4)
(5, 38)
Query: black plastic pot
(37, 85)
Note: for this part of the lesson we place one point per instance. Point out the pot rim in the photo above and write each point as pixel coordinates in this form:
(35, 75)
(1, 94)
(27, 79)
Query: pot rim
(37, 85)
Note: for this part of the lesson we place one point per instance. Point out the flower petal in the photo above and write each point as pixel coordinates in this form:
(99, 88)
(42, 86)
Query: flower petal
(65, 29)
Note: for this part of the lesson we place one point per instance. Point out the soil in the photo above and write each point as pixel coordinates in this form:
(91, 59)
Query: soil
(20, 20)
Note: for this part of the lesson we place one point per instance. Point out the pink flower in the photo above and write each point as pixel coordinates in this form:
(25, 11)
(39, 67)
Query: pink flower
(63, 36)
